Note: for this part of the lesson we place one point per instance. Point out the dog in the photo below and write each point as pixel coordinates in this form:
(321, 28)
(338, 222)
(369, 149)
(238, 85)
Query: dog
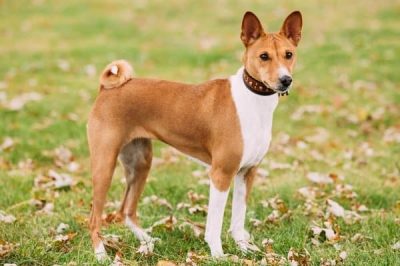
(224, 123)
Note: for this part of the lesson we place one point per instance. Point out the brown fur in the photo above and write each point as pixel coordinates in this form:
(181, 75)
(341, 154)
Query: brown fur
(276, 45)
(249, 179)
(199, 120)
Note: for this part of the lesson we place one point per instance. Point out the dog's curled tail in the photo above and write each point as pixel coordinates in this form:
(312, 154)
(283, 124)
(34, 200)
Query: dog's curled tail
(115, 74)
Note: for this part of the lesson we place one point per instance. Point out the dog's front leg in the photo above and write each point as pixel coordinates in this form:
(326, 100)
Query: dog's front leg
(242, 186)
(219, 190)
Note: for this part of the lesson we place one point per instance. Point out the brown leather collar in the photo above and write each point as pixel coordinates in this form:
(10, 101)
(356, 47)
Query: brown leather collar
(258, 87)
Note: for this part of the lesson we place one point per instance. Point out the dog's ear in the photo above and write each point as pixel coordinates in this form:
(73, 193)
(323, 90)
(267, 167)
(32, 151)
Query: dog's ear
(251, 28)
(291, 28)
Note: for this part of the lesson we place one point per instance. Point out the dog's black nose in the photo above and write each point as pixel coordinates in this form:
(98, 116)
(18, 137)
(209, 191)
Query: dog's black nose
(286, 81)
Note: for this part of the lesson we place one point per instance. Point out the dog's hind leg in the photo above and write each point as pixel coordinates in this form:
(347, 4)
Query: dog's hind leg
(136, 158)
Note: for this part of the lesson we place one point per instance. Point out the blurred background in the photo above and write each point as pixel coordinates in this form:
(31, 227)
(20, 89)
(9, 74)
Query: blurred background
(341, 118)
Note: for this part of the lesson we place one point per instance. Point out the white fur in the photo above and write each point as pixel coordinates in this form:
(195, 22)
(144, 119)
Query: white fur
(239, 210)
(255, 117)
(283, 71)
(137, 231)
(114, 69)
(100, 252)
(216, 207)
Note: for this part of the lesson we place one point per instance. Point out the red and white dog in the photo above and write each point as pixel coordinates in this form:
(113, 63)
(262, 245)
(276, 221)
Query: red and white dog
(225, 123)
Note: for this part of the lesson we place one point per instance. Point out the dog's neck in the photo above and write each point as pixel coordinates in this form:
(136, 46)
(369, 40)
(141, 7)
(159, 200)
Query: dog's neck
(257, 86)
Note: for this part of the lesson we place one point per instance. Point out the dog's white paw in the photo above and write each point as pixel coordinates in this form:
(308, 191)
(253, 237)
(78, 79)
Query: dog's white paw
(217, 253)
(215, 247)
(242, 239)
(247, 247)
(240, 235)
(147, 247)
(101, 253)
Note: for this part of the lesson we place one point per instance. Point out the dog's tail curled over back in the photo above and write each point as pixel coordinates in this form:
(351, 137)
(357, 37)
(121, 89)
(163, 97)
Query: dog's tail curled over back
(115, 74)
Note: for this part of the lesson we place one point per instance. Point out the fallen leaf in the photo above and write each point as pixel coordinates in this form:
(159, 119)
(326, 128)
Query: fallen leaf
(7, 144)
(20, 101)
(90, 70)
(62, 228)
(166, 222)
(6, 218)
(112, 241)
(299, 258)
(153, 199)
(198, 209)
(117, 260)
(6, 248)
(335, 208)
(195, 197)
(255, 222)
(319, 178)
(193, 258)
(166, 263)
(396, 246)
(146, 248)
(197, 228)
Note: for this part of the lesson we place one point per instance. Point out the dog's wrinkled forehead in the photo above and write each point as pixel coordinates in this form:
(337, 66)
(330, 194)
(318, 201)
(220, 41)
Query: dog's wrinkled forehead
(272, 43)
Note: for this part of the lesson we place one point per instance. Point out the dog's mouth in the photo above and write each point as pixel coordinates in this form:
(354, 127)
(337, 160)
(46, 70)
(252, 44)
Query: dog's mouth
(279, 89)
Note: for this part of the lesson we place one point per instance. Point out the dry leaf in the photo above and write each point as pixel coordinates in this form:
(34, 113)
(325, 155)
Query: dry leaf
(166, 263)
(322, 234)
(195, 197)
(396, 246)
(117, 260)
(197, 228)
(392, 134)
(62, 228)
(7, 144)
(19, 102)
(6, 248)
(319, 178)
(255, 222)
(90, 70)
(198, 209)
(7, 218)
(146, 248)
(299, 258)
(112, 241)
(153, 199)
(335, 208)
(166, 222)
(193, 258)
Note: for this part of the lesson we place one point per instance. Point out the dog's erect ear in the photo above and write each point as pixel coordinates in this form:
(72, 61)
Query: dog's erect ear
(291, 28)
(251, 28)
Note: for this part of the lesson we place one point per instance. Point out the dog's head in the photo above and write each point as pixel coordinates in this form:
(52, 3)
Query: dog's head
(270, 57)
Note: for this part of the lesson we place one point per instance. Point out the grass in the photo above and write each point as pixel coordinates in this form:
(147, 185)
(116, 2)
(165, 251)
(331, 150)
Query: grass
(347, 65)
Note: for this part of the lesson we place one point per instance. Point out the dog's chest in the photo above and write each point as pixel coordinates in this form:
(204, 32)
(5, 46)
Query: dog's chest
(255, 115)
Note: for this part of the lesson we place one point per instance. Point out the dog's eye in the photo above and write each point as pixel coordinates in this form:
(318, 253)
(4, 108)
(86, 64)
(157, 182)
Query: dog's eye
(288, 55)
(264, 56)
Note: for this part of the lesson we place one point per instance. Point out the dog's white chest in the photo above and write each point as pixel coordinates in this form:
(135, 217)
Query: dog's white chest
(255, 114)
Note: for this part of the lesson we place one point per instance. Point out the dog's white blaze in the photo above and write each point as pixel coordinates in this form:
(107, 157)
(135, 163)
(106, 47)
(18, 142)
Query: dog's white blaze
(255, 116)
(137, 231)
(216, 206)
(239, 210)
(283, 71)
(100, 252)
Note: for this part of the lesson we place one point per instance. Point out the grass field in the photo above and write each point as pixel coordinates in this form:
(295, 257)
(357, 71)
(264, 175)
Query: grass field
(341, 120)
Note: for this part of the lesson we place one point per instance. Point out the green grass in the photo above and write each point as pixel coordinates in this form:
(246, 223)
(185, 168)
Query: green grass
(344, 47)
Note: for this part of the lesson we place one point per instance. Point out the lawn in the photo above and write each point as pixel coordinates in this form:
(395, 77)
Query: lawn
(328, 191)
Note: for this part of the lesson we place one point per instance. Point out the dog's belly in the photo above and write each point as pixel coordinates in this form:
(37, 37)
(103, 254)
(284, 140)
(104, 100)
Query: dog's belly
(255, 114)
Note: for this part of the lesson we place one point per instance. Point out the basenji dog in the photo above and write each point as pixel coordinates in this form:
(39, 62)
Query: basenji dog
(224, 123)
